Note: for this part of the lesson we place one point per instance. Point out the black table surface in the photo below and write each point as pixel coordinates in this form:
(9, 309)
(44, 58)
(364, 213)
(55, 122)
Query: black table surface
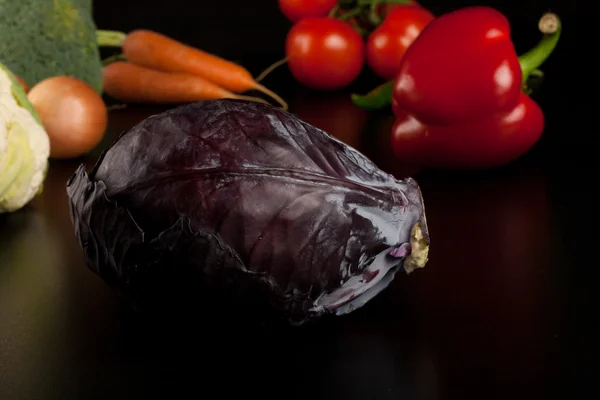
(498, 313)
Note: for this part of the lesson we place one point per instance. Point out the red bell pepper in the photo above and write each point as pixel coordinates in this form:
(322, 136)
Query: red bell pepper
(458, 96)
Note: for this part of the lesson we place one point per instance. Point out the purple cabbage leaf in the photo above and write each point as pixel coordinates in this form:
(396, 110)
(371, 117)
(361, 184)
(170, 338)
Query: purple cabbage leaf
(248, 199)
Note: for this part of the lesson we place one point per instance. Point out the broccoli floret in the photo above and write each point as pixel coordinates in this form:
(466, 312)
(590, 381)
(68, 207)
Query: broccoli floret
(44, 38)
(86, 4)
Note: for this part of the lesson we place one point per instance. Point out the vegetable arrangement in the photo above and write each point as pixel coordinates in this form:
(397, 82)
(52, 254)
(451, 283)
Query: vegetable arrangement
(458, 104)
(67, 92)
(331, 41)
(155, 51)
(54, 54)
(466, 105)
(245, 199)
(230, 193)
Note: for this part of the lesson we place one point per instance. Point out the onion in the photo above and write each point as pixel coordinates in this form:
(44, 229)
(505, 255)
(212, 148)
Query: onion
(73, 114)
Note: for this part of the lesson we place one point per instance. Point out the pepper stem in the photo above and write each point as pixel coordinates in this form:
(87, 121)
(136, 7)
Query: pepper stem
(551, 26)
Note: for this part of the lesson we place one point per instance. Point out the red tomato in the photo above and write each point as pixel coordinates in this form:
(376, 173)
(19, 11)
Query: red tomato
(387, 44)
(324, 53)
(295, 10)
(383, 10)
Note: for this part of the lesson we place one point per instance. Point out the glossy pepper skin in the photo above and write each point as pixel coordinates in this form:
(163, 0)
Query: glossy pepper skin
(459, 97)
(464, 64)
(479, 143)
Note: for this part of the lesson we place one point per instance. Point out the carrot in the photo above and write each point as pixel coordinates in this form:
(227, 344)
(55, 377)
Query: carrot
(132, 83)
(157, 51)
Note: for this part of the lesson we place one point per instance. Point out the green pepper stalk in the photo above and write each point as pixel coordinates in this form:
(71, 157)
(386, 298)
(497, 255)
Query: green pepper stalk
(551, 27)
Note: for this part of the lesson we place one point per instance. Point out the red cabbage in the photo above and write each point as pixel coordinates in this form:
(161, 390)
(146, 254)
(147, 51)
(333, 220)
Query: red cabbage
(249, 199)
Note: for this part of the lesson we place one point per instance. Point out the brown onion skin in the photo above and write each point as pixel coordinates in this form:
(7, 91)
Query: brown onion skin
(73, 114)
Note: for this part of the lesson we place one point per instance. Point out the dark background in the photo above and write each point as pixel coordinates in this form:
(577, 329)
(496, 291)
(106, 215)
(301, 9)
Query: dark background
(503, 311)
(238, 28)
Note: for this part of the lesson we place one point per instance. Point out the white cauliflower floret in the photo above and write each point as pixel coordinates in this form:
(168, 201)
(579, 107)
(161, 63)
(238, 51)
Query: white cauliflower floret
(24, 147)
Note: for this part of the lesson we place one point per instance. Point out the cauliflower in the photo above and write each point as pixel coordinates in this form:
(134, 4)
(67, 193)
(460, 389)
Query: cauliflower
(24, 146)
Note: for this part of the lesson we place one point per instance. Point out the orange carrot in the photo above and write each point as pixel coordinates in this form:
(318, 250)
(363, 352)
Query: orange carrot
(157, 51)
(132, 83)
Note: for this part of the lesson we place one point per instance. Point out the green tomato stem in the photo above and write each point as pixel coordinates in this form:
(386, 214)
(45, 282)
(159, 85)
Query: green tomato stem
(551, 26)
(352, 13)
(374, 17)
(334, 11)
(362, 3)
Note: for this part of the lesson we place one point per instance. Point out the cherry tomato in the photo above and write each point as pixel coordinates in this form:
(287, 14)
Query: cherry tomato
(383, 10)
(295, 10)
(324, 53)
(387, 44)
